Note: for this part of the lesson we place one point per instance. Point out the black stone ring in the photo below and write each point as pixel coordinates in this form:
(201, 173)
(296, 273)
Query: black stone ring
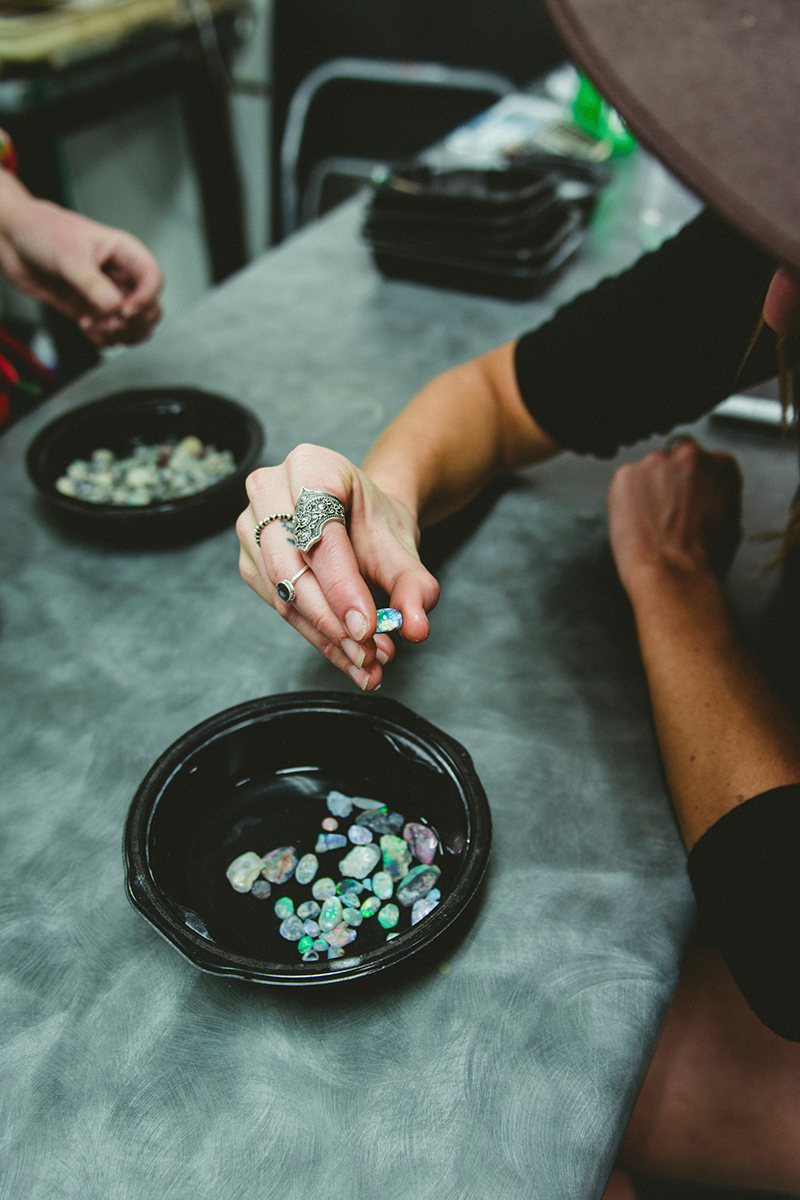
(285, 587)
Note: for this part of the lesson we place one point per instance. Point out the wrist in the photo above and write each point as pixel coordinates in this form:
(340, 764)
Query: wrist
(656, 586)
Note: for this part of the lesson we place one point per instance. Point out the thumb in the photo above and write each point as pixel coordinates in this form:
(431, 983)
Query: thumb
(98, 291)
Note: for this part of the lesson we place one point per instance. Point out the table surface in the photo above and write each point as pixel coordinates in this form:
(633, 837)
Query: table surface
(508, 1070)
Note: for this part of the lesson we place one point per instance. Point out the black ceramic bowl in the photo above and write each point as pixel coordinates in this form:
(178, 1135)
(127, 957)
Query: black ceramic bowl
(147, 417)
(255, 777)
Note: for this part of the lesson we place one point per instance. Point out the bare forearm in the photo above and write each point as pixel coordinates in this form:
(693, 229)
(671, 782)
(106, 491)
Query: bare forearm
(723, 733)
(462, 429)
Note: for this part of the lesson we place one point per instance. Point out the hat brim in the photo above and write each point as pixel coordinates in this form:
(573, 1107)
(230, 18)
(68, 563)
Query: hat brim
(713, 89)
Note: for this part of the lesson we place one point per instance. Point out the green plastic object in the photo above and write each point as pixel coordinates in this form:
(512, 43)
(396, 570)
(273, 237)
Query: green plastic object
(595, 116)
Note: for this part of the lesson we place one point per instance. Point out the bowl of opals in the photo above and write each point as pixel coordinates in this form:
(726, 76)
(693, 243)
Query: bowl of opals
(307, 838)
(152, 466)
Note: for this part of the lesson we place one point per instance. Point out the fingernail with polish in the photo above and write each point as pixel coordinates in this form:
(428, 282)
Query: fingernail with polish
(356, 624)
(358, 677)
(354, 652)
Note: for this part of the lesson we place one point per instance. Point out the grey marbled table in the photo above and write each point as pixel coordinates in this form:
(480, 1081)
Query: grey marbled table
(509, 1070)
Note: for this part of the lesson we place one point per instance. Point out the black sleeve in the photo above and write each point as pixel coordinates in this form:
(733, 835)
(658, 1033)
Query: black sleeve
(745, 871)
(654, 347)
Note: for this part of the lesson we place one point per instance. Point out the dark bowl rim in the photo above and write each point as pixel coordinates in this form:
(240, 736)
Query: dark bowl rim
(158, 910)
(150, 395)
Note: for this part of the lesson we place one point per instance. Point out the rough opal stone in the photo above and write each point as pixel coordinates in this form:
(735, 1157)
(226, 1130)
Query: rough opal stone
(331, 914)
(381, 821)
(417, 883)
(279, 865)
(311, 927)
(389, 619)
(329, 824)
(305, 943)
(350, 899)
(306, 868)
(342, 935)
(359, 835)
(307, 910)
(335, 952)
(349, 885)
(329, 841)
(370, 906)
(310, 956)
(396, 855)
(360, 861)
(382, 885)
(323, 888)
(261, 889)
(422, 908)
(320, 944)
(353, 917)
(422, 842)
(389, 916)
(434, 894)
(243, 871)
(339, 805)
(291, 929)
(284, 907)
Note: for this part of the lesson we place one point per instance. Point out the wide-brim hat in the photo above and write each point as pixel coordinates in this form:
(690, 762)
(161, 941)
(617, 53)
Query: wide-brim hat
(712, 87)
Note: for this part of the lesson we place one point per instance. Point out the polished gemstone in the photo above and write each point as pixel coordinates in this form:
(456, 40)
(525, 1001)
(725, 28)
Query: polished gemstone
(307, 868)
(291, 929)
(329, 841)
(422, 907)
(261, 889)
(284, 907)
(350, 899)
(422, 842)
(389, 916)
(320, 944)
(339, 805)
(311, 927)
(331, 914)
(329, 824)
(359, 835)
(244, 870)
(323, 888)
(349, 885)
(382, 885)
(417, 883)
(370, 906)
(396, 855)
(389, 619)
(308, 909)
(279, 865)
(360, 861)
(381, 821)
(341, 935)
(352, 917)
(305, 943)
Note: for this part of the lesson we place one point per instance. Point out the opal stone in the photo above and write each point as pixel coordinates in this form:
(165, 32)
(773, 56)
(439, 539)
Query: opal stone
(335, 952)
(305, 943)
(331, 914)
(284, 907)
(261, 889)
(243, 871)
(396, 855)
(329, 841)
(389, 619)
(279, 865)
(329, 824)
(389, 936)
(370, 906)
(434, 894)
(323, 888)
(350, 899)
(360, 861)
(339, 805)
(363, 803)
(342, 935)
(307, 910)
(417, 883)
(422, 842)
(359, 835)
(389, 916)
(352, 916)
(320, 944)
(311, 927)
(291, 929)
(311, 956)
(422, 908)
(381, 821)
(382, 885)
(307, 868)
(349, 885)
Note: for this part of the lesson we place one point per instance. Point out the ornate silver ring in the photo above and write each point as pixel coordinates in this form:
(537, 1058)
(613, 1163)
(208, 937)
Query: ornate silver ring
(312, 512)
(285, 587)
(262, 524)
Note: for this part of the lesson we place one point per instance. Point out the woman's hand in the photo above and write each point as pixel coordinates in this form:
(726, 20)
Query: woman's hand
(103, 278)
(334, 609)
(679, 508)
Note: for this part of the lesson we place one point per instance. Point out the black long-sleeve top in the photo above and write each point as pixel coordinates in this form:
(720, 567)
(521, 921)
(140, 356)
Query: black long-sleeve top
(652, 348)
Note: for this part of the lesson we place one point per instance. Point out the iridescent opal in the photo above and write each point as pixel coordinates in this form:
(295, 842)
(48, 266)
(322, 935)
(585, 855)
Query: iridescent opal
(329, 841)
(422, 842)
(284, 908)
(370, 906)
(320, 944)
(417, 883)
(323, 888)
(350, 899)
(329, 824)
(396, 855)
(307, 868)
(381, 821)
(359, 835)
(243, 871)
(335, 952)
(305, 943)
(352, 917)
(360, 861)
(339, 804)
(311, 927)
(291, 929)
(389, 619)
(331, 914)
(310, 956)
(279, 865)
(382, 885)
(261, 889)
(342, 935)
(307, 910)
(422, 908)
(349, 885)
(389, 916)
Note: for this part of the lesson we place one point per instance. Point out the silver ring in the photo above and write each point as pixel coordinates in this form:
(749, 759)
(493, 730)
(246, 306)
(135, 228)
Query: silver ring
(285, 587)
(266, 521)
(312, 512)
(678, 439)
